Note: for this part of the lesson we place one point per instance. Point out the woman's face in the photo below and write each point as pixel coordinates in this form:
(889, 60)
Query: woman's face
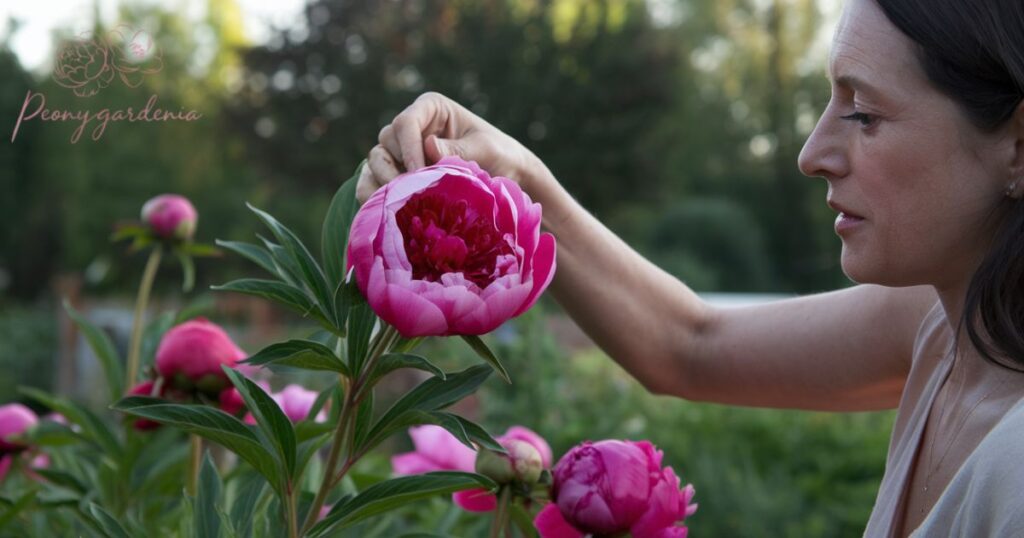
(905, 159)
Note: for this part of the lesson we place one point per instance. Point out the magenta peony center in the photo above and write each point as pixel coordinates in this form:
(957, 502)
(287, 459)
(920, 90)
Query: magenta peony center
(443, 235)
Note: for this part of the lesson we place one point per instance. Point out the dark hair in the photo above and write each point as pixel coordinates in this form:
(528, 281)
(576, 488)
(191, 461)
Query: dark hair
(973, 51)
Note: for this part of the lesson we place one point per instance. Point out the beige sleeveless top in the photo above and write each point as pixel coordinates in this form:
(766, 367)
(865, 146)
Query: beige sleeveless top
(986, 496)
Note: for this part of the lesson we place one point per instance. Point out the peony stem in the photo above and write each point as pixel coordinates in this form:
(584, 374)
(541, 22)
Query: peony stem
(141, 302)
(347, 415)
(293, 515)
(502, 512)
(194, 462)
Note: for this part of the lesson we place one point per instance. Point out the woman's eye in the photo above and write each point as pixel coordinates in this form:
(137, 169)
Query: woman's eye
(861, 117)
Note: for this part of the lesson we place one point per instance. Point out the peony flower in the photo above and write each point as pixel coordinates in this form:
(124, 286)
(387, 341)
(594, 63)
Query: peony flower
(190, 356)
(449, 250)
(436, 450)
(15, 420)
(170, 216)
(230, 401)
(615, 487)
(144, 389)
(296, 402)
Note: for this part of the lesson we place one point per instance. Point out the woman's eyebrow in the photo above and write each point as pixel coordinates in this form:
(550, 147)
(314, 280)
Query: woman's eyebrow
(854, 83)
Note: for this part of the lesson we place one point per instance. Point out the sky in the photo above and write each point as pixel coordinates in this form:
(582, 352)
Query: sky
(39, 18)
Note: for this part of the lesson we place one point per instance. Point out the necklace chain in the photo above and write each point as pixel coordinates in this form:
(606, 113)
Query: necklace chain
(956, 432)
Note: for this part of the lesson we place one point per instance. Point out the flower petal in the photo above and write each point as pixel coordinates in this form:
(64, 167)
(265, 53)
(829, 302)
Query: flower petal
(551, 524)
(475, 500)
(413, 463)
(543, 270)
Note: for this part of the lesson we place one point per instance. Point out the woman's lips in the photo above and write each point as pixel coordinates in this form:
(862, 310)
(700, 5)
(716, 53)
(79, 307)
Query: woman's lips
(846, 223)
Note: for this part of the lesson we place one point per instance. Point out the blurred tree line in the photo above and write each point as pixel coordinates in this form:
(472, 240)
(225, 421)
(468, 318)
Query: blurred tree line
(677, 122)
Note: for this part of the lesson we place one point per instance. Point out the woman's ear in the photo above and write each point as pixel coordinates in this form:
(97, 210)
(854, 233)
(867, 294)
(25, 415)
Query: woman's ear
(1015, 180)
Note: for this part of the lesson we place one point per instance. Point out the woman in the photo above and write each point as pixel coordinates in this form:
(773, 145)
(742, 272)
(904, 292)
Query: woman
(922, 146)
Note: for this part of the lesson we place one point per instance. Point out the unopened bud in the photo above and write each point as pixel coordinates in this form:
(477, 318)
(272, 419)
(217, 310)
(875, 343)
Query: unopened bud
(522, 463)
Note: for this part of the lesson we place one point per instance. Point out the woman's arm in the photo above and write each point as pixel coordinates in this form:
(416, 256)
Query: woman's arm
(844, 350)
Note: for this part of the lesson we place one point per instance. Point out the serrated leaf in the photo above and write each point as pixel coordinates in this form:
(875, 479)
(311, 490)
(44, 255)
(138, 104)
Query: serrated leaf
(432, 395)
(93, 428)
(269, 416)
(279, 292)
(209, 423)
(206, 520)
(251, 252)
(188, 270)
(390, 494)
(104, 349)
(487, 355)
(393, 361)
(334, 235)
(312, 275)
(305, 354)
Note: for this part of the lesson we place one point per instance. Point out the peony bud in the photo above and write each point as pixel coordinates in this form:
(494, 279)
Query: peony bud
(15, 419)
(170, 216)
(522, 463)
(190, 356)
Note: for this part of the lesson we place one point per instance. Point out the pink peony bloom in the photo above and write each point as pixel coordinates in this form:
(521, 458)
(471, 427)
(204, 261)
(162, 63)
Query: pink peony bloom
(190, 356)
(15, 419)
(144, 389)
(296, 402)
(230, 401)
(170, 216)
(436, 450)
(614, 487)
(448, 250)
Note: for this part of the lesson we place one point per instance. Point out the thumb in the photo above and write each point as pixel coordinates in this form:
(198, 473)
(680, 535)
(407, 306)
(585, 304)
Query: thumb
(436, 148)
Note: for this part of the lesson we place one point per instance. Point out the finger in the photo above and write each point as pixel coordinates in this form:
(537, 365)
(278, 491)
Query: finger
(390, 142)
(436, 148)
(408, 130)
(366, 185)
(383, 165)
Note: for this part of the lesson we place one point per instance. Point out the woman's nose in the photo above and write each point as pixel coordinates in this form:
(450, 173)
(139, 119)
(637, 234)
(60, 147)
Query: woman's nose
(824, 152)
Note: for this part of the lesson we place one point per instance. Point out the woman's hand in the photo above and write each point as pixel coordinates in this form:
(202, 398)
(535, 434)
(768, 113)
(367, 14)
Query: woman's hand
(433, 127)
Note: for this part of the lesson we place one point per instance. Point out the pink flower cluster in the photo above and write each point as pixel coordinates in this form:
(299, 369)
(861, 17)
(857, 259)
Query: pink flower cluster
(439, 450)
(614, 487)
(17, 420)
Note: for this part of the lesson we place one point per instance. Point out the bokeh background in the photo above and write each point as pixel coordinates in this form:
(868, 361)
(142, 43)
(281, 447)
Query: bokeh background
(676, 122)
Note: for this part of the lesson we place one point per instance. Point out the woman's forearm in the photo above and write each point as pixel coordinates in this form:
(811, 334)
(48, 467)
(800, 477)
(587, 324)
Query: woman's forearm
(644, 318)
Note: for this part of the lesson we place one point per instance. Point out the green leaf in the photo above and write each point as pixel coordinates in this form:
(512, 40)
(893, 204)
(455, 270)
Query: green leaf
(269, 416)
(17, 506)
(251, 252)
(523, 520)
(206, 519)
(485, 353)
(152, 335)
(93, 428)
(209, 423)
(62, 478)
(360, 326)
(200, 250)
(279, 292)
(364, 418)
(304, 354)
(334, 236)
(431, 395)
(107, 523)
(463, 429)
(394, 361)
(405, 345)
(104, 349)
(391, 494)
(285, 265)
(250, 488)
(130, 231)
(188, 269)
(312, 275)
(319, 403)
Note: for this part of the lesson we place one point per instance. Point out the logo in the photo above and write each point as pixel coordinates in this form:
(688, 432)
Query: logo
(89, 64)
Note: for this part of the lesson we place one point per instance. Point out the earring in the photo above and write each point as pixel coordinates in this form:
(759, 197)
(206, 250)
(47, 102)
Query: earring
(1011, 188)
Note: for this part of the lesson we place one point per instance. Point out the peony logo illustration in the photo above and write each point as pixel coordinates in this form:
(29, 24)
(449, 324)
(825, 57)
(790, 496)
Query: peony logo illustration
(90, 63)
